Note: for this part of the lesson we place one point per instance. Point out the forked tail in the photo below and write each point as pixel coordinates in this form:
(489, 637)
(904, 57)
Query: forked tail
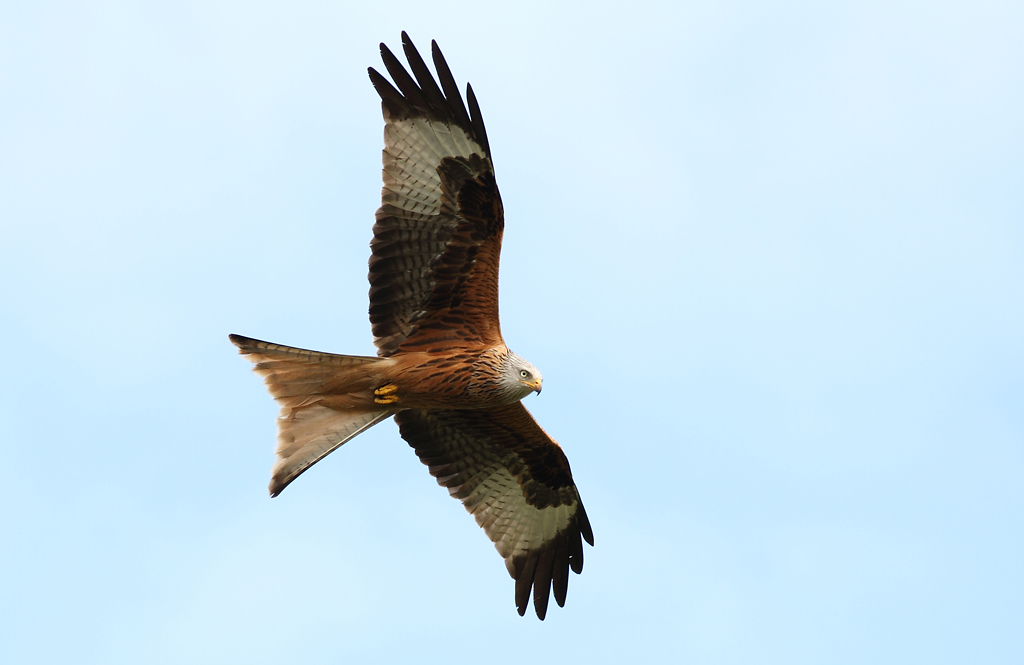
(322, 399)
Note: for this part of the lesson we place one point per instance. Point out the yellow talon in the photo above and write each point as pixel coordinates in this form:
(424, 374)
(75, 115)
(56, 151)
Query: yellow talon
(386, 394)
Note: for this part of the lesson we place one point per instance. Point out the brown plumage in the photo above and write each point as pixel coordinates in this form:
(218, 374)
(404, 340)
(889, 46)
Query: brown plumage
(442, 368)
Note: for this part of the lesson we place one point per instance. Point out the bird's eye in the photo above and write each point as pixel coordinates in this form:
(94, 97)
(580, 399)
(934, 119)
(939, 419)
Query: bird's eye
(523, 373)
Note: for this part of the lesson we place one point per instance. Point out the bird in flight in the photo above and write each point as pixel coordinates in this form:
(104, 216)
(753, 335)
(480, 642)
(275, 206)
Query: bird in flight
(442, 368)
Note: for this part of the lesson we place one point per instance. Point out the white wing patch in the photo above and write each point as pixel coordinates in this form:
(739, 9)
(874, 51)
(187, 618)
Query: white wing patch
(413, 149)
(515, 526)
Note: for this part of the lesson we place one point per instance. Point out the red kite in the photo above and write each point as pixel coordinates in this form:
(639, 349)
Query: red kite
(442, 368)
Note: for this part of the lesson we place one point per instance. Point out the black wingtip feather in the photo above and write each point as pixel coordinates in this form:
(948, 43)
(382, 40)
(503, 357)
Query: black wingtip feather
(575, 551)
(423, 76)
(422, 95)
(524, 583)
(542, 582)
(560, 572)
(392, 100)
(584, 522)
(403, 81)
(451, 89)
(477, 118)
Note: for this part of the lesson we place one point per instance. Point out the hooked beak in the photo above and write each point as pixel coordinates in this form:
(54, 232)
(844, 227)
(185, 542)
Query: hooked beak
(535, 385)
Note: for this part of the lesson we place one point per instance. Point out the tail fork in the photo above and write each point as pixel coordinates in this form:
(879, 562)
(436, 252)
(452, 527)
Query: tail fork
(303, 383)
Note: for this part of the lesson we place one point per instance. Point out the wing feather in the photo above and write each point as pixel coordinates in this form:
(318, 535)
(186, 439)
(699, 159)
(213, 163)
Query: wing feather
(437, 239)
(419, 69)
(405, 83)
(451, 88)
(476, 117)
(516, 482)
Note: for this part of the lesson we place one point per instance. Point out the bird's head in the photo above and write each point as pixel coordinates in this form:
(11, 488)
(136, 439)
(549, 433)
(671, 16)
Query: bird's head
(520, 378)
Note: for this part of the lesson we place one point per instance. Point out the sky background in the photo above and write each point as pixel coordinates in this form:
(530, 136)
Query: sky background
(769, 257)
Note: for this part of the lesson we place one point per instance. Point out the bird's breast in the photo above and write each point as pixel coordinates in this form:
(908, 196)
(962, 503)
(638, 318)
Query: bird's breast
(455, 379)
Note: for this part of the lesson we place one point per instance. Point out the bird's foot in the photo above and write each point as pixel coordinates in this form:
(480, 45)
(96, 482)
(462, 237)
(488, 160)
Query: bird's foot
(386, 394)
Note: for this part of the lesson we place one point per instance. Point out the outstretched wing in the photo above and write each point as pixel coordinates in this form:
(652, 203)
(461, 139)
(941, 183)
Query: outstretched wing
(516, 482)
(437, 239)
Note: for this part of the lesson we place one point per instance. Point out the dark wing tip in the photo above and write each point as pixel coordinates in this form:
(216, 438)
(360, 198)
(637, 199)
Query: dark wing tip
(245, 344)
(542, 581)
(524, 582)
(575, 551)
(404, 82)
(390, 98)
(422, 95)
(425, 79)
(546, 571)
(584, 522)
(477, 118)
(560, 572)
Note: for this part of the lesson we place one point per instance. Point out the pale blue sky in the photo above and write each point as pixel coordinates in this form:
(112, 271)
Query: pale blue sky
(767, 255)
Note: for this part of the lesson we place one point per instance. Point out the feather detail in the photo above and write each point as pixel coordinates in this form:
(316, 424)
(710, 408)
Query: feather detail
(318, 413)
(437, 239)
(515, 481)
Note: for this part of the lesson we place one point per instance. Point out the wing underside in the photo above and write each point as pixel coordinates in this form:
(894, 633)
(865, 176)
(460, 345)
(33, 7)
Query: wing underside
(515, 481)
(437, 237)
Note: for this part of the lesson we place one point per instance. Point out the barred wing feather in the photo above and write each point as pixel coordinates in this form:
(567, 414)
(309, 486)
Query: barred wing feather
(437, 236)
(515, 480)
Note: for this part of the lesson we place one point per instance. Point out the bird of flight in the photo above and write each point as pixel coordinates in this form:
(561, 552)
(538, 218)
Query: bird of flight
(442, 368)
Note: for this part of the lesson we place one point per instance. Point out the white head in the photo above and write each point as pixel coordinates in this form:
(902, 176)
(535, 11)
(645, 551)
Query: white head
(518, 377)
